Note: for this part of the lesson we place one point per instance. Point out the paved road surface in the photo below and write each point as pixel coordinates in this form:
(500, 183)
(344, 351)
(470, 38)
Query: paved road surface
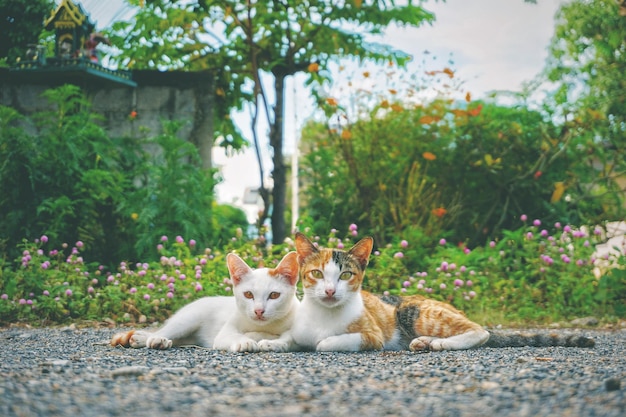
(74, 372)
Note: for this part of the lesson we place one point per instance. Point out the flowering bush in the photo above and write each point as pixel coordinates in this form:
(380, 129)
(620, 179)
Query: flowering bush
(535, 273)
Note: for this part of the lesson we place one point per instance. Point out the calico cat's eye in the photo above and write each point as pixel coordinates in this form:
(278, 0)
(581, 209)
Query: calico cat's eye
(346, 275)
(274, 295)
(248, 295)
(317, 274)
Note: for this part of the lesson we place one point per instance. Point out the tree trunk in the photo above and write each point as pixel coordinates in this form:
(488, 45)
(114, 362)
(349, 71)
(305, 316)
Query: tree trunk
(279, 175)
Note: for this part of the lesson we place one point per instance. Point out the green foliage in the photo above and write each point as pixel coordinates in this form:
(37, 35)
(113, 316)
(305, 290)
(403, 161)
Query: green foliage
(72, 182)
(461, 169)
(530, 275)
(586, 71)
(248, 41)
(21, 24)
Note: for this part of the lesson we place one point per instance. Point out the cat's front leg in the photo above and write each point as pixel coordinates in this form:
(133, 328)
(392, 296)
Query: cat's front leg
(133, 338)
(244, 344)
(285, 343)
(348, 342)
(158, 342)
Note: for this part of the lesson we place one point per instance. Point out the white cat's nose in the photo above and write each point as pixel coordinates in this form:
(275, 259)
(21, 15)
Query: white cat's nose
(259, 312)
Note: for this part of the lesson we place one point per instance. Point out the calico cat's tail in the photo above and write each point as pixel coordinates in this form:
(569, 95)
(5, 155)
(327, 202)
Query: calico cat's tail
(505, 339)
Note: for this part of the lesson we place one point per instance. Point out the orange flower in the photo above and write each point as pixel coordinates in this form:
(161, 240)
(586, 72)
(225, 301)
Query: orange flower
(331, 101)
(468, 97)
(133, 115)
(397, 108)
(429, 156)
(384, 104)
(314, 67)
(392, 91)
(475, 111)
(346, 134)
(366, 74)
(440, 212)
(449, 72)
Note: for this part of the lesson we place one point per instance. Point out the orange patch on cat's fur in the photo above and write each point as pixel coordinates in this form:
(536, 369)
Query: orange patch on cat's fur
(122, 339)
(376, 325)
(439, 319)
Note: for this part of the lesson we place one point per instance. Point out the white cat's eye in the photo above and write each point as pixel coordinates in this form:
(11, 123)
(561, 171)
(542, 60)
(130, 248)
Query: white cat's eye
(274, 295)
(317, 274)
(346, 275)
(248, 295)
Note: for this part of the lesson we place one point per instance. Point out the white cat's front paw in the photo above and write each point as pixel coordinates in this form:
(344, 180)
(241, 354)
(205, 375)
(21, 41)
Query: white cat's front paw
(138, 339)
(247, 345)
(273, 346)
(158, 342)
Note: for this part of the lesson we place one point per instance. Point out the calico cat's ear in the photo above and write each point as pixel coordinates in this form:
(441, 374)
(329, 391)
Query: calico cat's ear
(304, 247)
(361, 251)
(237, 268)
(288, 268)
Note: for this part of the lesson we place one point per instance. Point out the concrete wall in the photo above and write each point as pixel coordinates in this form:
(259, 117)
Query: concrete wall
(181, 96)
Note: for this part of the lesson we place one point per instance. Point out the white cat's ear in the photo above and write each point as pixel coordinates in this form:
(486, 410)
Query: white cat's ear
(304, 247)
(237, 268)
(288, 268)
(361, 251)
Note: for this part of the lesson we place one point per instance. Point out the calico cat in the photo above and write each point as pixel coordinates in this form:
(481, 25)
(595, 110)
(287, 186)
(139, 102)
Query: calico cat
(337, 315)
(261, 310)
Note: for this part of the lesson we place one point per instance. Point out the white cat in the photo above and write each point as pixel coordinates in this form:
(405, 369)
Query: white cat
(262, 309)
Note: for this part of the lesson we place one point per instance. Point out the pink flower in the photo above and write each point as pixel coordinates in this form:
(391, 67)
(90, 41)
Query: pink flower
(79, 244)
(68, 292)
(90, 290)
(537, 222)
(458, 283)
(192, 242)
(4, 297)
(170, 295)
(398, 255)
(133, 290)
(442, 242)
(146, 297)
(352, 227)
(442, 286)
(340, 245)
(492, 244)
(150, 286)
(46, 293)
(163, 238)
(179, 239)
(404, 243)
(44, 239)
(198, 287)
(523, 217)
(406, 284)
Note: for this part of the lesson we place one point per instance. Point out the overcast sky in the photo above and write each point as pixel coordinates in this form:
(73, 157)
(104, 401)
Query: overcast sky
(495, 45)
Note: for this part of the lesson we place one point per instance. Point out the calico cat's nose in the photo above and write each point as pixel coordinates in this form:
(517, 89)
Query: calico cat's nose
(330, 292)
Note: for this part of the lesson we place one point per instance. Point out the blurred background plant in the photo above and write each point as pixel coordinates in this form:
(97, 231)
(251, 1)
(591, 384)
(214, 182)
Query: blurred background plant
(533, 274)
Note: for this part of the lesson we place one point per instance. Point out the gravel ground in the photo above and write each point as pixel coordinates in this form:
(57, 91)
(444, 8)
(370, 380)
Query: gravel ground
(74, 372)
